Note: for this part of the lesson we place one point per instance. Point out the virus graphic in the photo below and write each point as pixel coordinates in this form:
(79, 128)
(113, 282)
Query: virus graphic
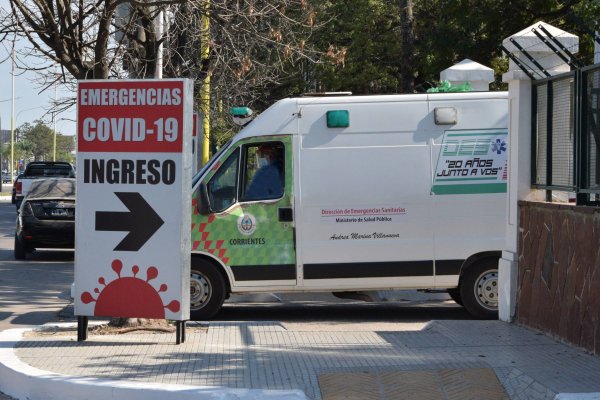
(499, 146)
(130, 296)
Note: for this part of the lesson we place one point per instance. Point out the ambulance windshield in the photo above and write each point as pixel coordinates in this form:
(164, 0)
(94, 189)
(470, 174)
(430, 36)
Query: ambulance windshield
(209, 164)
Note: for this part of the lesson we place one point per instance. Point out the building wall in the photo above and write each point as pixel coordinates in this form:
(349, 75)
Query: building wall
(559, 271)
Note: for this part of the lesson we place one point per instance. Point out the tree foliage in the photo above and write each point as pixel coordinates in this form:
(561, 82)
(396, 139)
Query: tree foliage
(377, 54)
(263, 50)
(448, 31)
(252, 46)
(35, 142)
(251, 42)
(362, 39)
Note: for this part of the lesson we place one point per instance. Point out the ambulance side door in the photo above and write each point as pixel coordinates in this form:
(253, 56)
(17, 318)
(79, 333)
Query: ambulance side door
(249, 231)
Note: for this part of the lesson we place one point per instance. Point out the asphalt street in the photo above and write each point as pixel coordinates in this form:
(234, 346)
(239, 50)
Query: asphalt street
(30, 289)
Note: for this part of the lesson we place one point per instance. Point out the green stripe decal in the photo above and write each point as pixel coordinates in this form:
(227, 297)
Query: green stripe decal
(479, 134)
(466, 179)
(470, 189)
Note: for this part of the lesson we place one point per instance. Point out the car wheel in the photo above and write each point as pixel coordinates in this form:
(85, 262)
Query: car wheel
(479, 289)
(20, 249)
(455, 295)
(207, 290)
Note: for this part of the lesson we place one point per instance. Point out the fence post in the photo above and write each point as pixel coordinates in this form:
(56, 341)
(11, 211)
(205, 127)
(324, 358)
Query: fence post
(520, 145)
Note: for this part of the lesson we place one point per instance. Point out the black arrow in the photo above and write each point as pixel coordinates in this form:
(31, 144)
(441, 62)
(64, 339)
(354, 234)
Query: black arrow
(141, 221)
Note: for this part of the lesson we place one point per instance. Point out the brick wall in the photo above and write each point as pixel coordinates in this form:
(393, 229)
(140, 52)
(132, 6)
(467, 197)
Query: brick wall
(559, 271)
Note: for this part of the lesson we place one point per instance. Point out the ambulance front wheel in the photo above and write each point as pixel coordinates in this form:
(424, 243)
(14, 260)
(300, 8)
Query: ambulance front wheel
(455, 295)
(479, 289)
(207, 290)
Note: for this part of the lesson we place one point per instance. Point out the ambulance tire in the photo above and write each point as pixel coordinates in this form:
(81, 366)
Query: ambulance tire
(479, 289)
(455, 295)
(20, 249)
(207, 290)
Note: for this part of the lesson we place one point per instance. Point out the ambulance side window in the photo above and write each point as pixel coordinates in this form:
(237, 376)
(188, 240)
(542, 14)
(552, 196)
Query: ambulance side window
(222, 187)
(263, 175)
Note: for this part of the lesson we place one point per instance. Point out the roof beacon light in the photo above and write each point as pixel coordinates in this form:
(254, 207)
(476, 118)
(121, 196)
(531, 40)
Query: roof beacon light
(241, 115)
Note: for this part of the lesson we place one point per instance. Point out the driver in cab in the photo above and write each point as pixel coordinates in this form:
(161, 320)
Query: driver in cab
(268, 180)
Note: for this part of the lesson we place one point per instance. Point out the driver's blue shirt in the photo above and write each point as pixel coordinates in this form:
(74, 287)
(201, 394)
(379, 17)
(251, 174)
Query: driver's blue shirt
(266, 184)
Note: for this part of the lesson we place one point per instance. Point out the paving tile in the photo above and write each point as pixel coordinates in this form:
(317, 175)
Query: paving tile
(471, 383)
(353, 386)
(268, 356)
(453, 384)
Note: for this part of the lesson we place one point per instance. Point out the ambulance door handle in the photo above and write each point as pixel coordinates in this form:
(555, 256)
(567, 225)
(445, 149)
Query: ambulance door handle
(285, 214)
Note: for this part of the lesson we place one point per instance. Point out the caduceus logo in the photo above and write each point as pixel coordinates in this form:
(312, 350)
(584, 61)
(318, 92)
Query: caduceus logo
(499, 146)
(246, 224)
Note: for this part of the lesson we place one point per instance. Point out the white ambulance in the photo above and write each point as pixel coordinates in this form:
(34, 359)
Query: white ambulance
(356, 193)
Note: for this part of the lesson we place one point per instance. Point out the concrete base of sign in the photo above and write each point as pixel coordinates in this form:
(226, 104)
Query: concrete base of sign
(22, 381)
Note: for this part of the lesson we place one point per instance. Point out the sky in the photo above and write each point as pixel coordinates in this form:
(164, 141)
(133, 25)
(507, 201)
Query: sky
(30, 105)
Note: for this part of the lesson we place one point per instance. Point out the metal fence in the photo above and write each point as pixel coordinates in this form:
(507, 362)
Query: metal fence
(566, 134)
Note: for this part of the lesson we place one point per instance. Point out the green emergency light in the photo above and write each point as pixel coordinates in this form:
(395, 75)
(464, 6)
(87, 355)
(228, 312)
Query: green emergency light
(338, 119)
(241, 112)
(241, 115)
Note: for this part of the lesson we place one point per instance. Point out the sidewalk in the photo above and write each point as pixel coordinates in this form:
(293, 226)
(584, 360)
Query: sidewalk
(224, 359)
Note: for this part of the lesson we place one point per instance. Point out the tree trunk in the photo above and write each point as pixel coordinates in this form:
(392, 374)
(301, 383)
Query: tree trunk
(407, 58)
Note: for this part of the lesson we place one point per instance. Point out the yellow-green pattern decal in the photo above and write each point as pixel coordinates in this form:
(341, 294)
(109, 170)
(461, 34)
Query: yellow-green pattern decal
(249, 233)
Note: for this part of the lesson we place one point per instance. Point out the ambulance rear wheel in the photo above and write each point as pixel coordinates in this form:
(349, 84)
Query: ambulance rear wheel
(207, 290)
(479, 289)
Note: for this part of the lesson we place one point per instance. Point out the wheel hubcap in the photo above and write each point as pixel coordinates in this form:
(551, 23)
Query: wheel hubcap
(486, 289)
(200, 291)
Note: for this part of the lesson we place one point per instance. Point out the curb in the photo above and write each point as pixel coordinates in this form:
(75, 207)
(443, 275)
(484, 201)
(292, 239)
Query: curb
(22, 381)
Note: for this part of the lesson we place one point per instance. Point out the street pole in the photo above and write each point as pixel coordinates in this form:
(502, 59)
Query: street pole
(158, 69)
(54, 122)
(1, 145)
(596, 49)
(12, 116)
(205, 86)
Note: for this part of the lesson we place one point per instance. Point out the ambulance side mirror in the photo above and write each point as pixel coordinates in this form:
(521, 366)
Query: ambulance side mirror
(203, 205)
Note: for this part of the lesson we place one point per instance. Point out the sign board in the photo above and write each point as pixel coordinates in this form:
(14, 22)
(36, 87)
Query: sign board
(132, 229)
(472, 162)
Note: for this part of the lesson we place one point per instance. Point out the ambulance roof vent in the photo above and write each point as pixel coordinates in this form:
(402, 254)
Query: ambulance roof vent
(479, 76)
(325, 94)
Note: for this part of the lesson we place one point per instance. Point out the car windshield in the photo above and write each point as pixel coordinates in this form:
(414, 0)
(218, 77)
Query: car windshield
(55, 188)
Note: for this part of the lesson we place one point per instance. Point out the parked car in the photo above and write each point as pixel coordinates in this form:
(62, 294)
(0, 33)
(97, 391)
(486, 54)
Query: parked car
(46, 217)
(41, 169)
(14, 189)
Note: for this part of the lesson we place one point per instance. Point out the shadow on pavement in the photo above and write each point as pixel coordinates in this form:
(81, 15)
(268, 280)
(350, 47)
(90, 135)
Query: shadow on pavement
(39, 255)
(34, 317)
(51, 255)
(348, 312)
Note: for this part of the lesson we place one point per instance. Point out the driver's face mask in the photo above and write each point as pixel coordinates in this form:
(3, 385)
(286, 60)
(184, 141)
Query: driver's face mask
(263, 161)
